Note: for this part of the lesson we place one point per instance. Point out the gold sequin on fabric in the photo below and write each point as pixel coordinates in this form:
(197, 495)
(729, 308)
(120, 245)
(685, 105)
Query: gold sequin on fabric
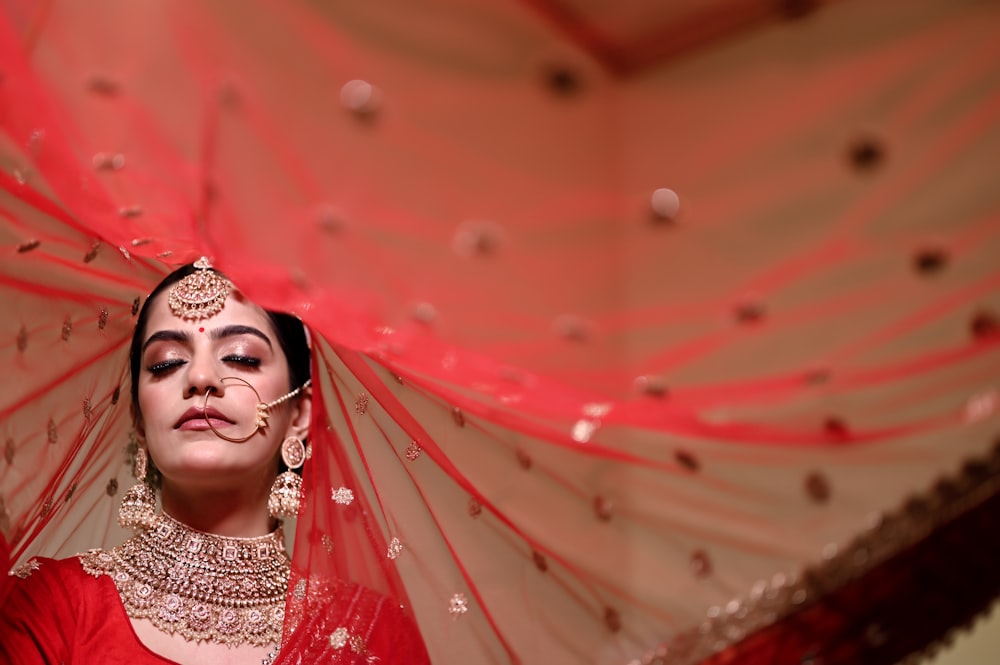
(603, 508)
(28, 246)
(541, 563)
(458, 605)
(299, 592)
(35, 141)
(358, 645)
(981, 406)
(687, 461)
(583, 430)
(701, 564)
(342, 637)
(361, 405)
(199, 585)
(104, 161)
(612, 619)
(395, 549)
(817, 487)
(92, 252)
(343, 496)
(102, 84)
(338, 638)
(413, 451)
(25, 570)
(129, 212)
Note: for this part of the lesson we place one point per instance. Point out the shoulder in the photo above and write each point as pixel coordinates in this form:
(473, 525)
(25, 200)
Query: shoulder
(50, 587)
(54, 587)
(41, 609)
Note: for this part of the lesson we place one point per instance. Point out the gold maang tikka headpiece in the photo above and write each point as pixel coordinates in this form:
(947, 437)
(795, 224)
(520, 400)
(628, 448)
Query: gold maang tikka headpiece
(200, 295)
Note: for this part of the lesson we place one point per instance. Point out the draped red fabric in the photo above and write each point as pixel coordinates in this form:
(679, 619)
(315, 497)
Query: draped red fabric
(5, 560)
(622, 317)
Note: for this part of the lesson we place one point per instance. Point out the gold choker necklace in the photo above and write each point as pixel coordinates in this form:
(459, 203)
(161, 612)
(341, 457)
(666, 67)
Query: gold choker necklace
(199, 585)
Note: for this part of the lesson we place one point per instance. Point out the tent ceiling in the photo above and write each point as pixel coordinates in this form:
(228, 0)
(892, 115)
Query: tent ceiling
(629, 36)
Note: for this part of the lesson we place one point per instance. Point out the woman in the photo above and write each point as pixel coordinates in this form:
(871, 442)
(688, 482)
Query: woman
(221, 401)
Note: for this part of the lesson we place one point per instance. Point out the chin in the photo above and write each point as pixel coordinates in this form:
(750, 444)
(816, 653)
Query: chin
(201, 461)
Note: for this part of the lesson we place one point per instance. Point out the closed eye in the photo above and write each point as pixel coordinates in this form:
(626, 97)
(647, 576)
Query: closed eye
(157, 369)
(246, 361)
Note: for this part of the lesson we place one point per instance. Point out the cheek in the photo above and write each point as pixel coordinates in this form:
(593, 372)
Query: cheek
(150, 403)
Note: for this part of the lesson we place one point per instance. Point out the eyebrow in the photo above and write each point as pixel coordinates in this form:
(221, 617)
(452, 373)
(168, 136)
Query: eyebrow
(217, 334)
(166, 336)
(232, 331)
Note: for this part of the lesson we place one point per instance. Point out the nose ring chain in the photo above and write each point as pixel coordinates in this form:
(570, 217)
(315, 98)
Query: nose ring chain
(263, 408)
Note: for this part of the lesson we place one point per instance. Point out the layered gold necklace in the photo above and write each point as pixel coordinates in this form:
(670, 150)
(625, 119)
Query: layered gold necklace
(199, 585)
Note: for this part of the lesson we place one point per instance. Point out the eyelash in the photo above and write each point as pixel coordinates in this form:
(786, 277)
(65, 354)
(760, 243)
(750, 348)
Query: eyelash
(163, 367)
(249, 361)
(157, 369)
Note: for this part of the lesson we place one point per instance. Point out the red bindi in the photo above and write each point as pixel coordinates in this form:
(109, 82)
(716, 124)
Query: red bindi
(202, 329)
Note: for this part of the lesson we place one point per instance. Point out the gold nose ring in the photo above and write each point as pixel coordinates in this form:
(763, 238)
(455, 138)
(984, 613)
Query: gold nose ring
(263, 408)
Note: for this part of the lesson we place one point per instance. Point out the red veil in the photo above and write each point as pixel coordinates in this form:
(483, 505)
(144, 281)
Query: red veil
(656, 334)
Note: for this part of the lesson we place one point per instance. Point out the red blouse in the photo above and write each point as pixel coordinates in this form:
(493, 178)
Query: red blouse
(56, 613)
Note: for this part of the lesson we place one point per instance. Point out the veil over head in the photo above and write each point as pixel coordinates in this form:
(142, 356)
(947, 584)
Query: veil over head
(622, 353)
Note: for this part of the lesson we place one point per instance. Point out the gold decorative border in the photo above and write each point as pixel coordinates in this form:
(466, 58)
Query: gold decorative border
(770, 601)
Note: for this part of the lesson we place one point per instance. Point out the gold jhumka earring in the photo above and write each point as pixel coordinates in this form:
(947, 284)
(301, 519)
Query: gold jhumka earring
(286, 493)
(138, 506)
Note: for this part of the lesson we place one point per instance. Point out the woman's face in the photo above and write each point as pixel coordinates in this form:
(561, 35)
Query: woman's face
(181, 362)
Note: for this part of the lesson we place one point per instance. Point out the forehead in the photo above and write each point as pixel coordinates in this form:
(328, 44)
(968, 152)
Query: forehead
(237, 311)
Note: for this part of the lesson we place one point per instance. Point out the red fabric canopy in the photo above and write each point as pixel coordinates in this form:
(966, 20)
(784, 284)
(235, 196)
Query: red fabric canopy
(619, 311)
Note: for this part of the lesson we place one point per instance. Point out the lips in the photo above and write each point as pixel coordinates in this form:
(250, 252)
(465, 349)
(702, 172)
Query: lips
(197, 419)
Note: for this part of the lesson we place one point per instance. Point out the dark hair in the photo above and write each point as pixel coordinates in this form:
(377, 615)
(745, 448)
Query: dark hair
(289, 330)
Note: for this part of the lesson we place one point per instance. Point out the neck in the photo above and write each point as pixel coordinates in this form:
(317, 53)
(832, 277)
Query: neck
(232, 513)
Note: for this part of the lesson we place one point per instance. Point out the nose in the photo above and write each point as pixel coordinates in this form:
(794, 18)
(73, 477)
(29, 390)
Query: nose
(203, 375)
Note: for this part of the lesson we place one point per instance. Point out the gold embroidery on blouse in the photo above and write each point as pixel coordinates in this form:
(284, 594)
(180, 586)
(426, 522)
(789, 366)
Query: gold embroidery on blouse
(26, 569)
